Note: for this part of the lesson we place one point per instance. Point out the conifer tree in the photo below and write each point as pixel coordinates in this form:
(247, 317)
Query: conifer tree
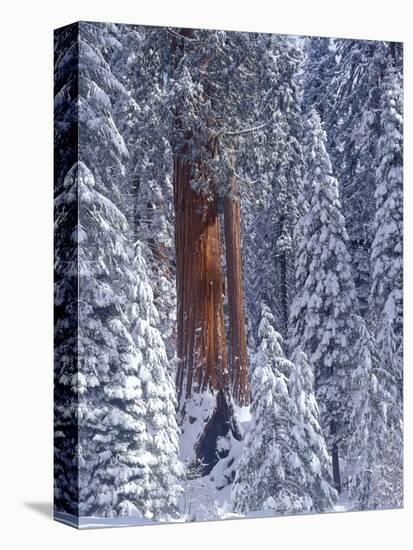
(113, 446)
(344, 81)
(273, 210)
(284, 464)
(325, 293)
(375, 455)
(66, 284)
(142, 117)
(126, 436)
(387, 249)
(310, 438)
(158, 392)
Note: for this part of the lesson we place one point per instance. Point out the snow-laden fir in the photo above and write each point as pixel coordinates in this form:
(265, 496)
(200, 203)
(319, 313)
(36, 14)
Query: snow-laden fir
(284, 466)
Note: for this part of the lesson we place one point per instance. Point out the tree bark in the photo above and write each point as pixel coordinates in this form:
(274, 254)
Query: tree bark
(238, 343)
(335, 459)
(284, 292)
(201, 345)
(201, 340)
(200, 317)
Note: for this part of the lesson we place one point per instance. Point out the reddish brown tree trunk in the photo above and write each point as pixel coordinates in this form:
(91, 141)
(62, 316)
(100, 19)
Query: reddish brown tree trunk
(202, 376)
(200, 316)
(201, 343)
(238, 341)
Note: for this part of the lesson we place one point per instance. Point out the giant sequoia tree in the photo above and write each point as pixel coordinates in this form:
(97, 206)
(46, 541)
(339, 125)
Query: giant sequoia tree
(237, 330)
(202, 372)
(220, 111)
(207, 113)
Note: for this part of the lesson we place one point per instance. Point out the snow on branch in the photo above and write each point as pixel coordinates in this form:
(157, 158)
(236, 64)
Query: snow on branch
(179, 35)
(247, 130)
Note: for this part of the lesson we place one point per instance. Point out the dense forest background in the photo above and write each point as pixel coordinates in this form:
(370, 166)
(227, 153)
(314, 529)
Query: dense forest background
(228, 280)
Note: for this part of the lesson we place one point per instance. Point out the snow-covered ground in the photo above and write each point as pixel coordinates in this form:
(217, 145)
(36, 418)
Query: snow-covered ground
(200, 506)
(209, 497)
(204, 498)
(98, 523)
(342, 504)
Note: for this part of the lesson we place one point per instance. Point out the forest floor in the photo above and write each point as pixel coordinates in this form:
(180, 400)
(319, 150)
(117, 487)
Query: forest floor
(203, 498)
(342, 504)
(209, 497)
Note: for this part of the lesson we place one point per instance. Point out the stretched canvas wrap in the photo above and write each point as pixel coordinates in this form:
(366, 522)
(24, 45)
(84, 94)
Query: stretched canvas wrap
(228, 275)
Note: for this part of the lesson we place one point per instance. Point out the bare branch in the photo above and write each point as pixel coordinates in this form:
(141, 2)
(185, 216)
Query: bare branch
(248, 182)
(178, 35)
(247, 130)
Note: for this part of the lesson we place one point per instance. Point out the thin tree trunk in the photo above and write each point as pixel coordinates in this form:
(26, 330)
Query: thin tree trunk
(282, 252)
(238, 342)
(284, 292)
(335, 459)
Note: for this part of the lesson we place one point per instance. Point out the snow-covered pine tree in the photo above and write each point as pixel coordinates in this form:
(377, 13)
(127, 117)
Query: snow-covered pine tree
(127, 433)
(158, 392)
(101, 145)
(389, 488)
(344, 82)
(308, 433)
(122, 426)
(375, 454)
(359, 87)
(113, 440)
(284, 464)
(386, 297)
(325, 300)
(272, 204)
(143, 119)
(364, 82)
(66, 62)
(66, 284)
(320, 66)
(113, 460)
